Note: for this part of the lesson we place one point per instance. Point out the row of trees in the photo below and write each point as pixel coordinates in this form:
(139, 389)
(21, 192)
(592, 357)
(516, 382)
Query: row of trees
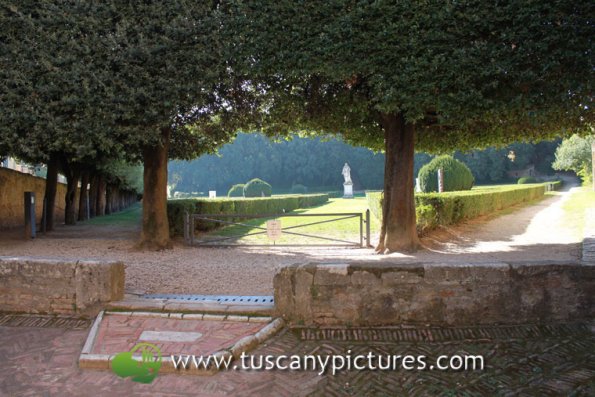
(85, 83)
(310, 162)
(317, 162)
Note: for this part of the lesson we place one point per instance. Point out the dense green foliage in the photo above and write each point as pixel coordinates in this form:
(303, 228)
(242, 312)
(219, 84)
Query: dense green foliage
(492, 165)
(434, 209)
(299, 189)
(236, 190)
(457, 175)
(574, 154)
(245, 206)
(257, 188)
(467, 74)
(83, 84)
(103, 79)
(310, 162)
(526, 179)
(317, 163)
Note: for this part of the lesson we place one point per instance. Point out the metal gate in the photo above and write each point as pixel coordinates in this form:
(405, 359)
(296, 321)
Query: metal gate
(228, 220)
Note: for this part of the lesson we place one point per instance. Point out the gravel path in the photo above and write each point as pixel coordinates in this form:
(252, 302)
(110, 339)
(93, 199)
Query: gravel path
(528, 233)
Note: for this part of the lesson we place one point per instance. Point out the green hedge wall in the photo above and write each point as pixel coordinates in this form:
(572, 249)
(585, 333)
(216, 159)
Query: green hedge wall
(433, 209)
(223, 205)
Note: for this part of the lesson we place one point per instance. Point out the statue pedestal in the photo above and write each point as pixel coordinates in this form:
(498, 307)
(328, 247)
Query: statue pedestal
(348, 190)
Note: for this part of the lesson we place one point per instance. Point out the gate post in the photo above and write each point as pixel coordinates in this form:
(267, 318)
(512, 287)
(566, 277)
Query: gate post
(186, 226)
(368, 243)
(361, 231)
(30, 218)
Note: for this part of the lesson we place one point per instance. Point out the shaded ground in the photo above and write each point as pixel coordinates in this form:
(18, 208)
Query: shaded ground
(546, 361)
(531, 232)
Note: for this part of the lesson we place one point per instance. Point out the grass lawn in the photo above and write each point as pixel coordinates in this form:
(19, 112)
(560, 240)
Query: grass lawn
(131, 216)
(345, 229)
(575, 207)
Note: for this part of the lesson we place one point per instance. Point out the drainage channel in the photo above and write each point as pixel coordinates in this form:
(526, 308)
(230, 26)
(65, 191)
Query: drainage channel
(235, 299)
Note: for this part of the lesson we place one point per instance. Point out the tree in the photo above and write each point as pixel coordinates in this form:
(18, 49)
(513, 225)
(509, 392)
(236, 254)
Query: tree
(92, 82)
(431, 75)
(574, 154)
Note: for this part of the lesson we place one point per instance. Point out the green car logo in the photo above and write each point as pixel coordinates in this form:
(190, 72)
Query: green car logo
(143, 371)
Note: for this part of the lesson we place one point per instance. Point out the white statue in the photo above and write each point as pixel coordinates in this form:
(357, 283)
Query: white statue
(347, 175)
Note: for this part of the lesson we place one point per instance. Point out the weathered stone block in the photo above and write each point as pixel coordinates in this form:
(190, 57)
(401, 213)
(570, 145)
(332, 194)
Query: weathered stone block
(38, 285)
(332, 274)
(465, 294)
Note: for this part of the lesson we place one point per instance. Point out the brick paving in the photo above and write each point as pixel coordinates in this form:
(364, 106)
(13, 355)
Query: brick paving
(540, 361)
(119, 333)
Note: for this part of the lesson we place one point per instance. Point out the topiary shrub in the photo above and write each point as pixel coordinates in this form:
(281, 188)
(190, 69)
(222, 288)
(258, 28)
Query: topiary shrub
(236, 190)
(457, 176)
(257, 188)
(299, 189)
(526, 179)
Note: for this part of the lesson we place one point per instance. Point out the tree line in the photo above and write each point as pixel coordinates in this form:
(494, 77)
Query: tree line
(316, 163)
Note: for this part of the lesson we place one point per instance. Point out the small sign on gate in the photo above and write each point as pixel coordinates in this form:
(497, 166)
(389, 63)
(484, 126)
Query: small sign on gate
(274, 229)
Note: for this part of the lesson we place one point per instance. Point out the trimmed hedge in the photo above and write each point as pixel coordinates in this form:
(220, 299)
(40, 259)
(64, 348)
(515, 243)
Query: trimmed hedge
(433, 209)
(236, 190)
(244, 206)
(257, 188)
(526, 180)
(457, 176)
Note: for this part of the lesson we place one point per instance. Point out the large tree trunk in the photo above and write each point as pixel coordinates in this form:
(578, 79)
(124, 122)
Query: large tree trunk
(398, 231)
(155, 231)
(100, 199)
(84, 196)
(93, 195)
(72, 183)
(109, 190)
(51, 185)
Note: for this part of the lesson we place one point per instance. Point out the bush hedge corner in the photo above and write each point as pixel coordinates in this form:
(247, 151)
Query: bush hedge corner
(526, 180)
(236, 190)
(257, 188)
(457, 176)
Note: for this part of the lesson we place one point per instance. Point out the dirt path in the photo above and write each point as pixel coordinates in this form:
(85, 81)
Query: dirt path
(529, 233)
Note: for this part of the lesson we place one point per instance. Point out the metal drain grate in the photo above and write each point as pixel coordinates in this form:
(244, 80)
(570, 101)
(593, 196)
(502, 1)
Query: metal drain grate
(229, 299)
(16, 320)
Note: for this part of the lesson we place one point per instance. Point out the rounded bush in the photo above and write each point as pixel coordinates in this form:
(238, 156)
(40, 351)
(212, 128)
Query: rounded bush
(236, 190)
(299, 189)
(526, 179)
(257, 188)
(457, 176)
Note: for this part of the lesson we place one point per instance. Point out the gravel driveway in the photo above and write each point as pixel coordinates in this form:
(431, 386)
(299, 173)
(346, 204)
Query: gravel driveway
(529, 233)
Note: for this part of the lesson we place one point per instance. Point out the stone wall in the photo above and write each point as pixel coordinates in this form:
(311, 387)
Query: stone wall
(13, 185)
(361, 294)
(34, 285)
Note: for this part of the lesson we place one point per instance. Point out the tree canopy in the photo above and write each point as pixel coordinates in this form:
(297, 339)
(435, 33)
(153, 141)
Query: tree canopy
(439, 75)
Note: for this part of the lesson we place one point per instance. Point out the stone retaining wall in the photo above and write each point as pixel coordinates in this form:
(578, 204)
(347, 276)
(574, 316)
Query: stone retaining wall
(362, 294)
(33, 285)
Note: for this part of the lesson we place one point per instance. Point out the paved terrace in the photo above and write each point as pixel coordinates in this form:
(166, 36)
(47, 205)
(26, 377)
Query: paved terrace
(41, 359)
